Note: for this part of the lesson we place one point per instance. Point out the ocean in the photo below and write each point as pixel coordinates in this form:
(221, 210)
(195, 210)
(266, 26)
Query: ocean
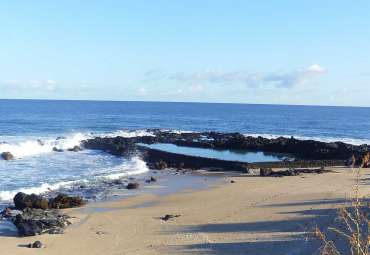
(30, 129)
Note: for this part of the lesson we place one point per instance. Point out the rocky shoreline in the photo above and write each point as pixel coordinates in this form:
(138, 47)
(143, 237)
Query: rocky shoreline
(34, 214)
(307, 153)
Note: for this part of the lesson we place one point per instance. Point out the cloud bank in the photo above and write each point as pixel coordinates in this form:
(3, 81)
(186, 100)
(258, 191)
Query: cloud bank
(277, 79)
(38, 85)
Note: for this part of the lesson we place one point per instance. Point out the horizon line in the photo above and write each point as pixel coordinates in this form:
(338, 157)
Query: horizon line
(179, 102)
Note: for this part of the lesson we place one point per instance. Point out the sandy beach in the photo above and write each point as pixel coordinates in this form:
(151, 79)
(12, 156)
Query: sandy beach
(253, 215)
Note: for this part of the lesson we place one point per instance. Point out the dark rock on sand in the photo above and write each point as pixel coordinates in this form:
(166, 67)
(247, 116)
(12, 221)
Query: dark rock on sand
(63, 201)
(7, 156)
(22, 201)
(35, 245)
(265, 171)
(33, 222)
(294, 172)
(169, 216)
(133, 185)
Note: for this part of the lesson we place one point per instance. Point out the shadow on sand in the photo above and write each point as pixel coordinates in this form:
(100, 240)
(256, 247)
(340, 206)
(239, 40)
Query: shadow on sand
(265, 237)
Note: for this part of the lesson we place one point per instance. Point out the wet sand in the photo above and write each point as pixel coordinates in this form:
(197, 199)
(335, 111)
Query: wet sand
(254, 215)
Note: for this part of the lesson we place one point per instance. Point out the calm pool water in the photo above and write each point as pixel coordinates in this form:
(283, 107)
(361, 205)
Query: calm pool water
(232, 155)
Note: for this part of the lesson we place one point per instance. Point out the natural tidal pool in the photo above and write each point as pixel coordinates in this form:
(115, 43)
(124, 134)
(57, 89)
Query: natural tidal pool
(232, 155)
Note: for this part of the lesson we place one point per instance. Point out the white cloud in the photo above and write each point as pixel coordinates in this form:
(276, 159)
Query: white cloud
(277, 79)
(142, 91)
(196, 88)
(40, 85)
(315, 68)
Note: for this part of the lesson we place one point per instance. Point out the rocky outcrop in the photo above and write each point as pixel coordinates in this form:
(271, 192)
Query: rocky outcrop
(133, 185)
(33, 222)
(75, 148)
(307, 153)
(292, 172)
(7, 156)
(61, 201)
(22, 201)
(265, 171)
(36, 245)
(118, 146)
(302, 149)
(57, 150)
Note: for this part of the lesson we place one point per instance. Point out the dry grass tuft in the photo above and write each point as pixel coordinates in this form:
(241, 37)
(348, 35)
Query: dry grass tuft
(354, 226)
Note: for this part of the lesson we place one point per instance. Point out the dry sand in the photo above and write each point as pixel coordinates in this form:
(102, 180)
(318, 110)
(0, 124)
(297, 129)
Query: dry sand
(254, 215)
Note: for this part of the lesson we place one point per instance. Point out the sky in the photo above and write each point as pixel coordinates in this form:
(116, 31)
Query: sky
(270, 52)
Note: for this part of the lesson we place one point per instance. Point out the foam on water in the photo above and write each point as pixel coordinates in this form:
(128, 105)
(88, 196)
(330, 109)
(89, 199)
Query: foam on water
(45, 187)
(38, 146)
(348, 140)
(134, 166)
(20, 149)
(128, 133)
(31, 172)
(38, 169)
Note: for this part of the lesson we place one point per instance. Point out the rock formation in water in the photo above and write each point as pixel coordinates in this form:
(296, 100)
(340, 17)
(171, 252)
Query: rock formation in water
(7, 156)
(307, 152)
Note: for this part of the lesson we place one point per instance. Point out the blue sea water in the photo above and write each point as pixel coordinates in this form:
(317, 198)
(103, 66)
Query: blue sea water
(38, 168)
(232, 155)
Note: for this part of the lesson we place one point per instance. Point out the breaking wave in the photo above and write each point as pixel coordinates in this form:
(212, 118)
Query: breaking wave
(39, 146)
(135, 166)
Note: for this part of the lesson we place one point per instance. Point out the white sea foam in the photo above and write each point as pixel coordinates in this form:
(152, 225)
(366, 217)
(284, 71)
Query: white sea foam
(128, 133)
(35, 147)
(45, 187)
(133, 167)
(348, 140)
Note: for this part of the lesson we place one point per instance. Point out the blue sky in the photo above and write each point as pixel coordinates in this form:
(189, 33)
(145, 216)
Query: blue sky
(280, 52)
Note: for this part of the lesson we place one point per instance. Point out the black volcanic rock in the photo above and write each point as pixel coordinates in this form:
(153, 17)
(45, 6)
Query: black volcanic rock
(7, 156)
(265, 171)
(303, 149)
(76, 148)
(293, 172)
(22, 201)
(36, 245)
(33, 222)
(307, 153)
(133, 185)
(63, 201)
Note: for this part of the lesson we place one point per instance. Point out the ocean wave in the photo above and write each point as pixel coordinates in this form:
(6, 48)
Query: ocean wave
(35, 147)
(45, 187)
(135, 166)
